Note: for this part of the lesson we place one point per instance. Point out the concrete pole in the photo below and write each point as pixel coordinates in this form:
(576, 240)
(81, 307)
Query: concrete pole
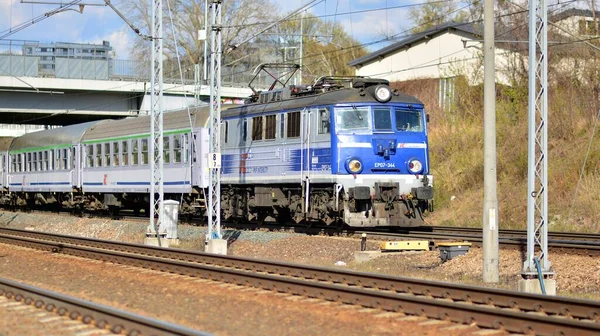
(490, 197)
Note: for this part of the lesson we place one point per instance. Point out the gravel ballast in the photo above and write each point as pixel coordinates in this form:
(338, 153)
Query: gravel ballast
(577, 276)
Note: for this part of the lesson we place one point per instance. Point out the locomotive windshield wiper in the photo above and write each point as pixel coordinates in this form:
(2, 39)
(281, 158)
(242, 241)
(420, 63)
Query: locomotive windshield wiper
(357, 113)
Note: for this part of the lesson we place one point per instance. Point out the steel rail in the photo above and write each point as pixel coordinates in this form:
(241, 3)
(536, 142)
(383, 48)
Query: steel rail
(571, 246)
(101, 316)
(492, 308)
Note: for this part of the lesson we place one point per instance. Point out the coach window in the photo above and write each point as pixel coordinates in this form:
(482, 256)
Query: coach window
(166, 149)
(125, 153)
(270, 127)
(89, 156)
(51, 159)
(116, 154)
(13, 163)
(135, 152)
(45, 160)
(293, 125)
(34, 161)
(324, 124)
(382, 119)
(144, 151)
(106, 155)
(64, 158)
(257, 128)
(177, 146)
(98, 155)
(225, 132)
(282, 126)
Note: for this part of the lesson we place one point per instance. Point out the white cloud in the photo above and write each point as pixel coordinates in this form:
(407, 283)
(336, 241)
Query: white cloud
(120, 41)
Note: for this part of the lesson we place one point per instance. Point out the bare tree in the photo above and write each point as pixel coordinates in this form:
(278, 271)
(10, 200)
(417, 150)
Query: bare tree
(327, 48)
(241, 20)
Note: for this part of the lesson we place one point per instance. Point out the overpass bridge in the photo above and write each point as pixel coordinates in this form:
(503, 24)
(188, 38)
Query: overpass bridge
(64, 101)
(75, 90)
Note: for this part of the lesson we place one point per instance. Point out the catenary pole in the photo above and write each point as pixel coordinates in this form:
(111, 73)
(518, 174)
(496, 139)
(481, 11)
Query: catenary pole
(537, 177)
(214, 159)
(156, 123)
(490, 197)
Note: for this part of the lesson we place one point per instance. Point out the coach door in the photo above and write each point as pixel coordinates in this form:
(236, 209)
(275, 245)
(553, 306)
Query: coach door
(305, 146)
(76, 166)
(200, 144)
(3, 170)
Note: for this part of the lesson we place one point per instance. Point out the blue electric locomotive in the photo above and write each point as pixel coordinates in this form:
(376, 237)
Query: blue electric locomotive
(345, 150)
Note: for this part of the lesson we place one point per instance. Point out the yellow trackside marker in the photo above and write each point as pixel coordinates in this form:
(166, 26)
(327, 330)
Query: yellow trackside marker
(406, 245)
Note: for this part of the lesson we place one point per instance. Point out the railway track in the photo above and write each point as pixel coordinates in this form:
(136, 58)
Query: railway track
(488, 308)
(577, 243)
(100, 316)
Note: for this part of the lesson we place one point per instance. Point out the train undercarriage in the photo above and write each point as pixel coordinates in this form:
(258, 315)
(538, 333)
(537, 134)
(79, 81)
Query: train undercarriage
(324, 204)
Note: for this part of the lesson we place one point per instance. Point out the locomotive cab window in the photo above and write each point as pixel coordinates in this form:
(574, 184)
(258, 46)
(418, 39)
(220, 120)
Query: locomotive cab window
(382, 119)
(408, 121)
(351, 119)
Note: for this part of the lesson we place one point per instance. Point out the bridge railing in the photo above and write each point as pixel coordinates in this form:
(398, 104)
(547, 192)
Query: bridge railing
(112, 69)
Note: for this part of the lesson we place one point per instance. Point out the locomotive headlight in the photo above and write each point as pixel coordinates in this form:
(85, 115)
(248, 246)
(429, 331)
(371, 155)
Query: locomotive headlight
(354, 166)
(383, 93)
(415, 166)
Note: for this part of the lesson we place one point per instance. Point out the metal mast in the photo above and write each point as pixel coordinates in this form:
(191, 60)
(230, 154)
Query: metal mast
(156, 123)
(537, 182)
(214, 159)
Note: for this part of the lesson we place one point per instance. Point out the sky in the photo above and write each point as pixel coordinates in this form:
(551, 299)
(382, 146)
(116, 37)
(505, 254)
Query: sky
(100, 23)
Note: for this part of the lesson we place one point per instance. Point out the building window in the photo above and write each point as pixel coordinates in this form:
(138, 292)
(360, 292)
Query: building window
(293, 125)
(588, 27)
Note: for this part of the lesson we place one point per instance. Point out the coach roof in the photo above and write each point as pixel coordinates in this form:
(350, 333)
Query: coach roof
(66, 135)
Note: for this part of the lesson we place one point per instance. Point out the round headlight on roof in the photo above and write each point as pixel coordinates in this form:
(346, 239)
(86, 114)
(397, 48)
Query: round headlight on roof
(383, 94)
